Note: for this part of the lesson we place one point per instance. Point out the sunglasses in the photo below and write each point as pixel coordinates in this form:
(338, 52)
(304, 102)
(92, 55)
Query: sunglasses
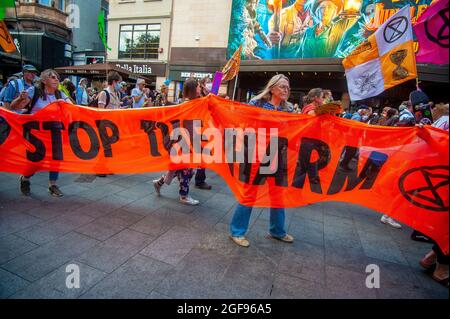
(54, 77)
(284, 87)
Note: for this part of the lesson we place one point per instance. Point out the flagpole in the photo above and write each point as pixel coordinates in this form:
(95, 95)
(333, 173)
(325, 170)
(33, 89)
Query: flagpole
(235, 86)
(18, 35)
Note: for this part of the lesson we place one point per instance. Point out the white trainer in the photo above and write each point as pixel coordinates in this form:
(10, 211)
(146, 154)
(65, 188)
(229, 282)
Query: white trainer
(385, 219)
(188, 200)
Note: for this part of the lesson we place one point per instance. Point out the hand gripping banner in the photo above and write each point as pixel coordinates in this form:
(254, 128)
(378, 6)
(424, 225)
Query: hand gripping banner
(267, 158)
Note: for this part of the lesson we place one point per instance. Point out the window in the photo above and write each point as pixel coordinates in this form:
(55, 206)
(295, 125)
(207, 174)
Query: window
(45, 2)
(139, 41)
(58, 4)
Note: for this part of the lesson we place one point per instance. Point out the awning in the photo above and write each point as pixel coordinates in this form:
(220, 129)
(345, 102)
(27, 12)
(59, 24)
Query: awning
(98, 70)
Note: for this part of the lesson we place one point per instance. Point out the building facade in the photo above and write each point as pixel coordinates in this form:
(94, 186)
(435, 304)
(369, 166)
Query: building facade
(41, 34)
(87, 45)
(139, 37)
(199, 40)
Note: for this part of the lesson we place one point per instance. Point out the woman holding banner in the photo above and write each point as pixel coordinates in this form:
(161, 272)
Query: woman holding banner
(273, 97)
(314, 99)
(33, 100)
(191, 91)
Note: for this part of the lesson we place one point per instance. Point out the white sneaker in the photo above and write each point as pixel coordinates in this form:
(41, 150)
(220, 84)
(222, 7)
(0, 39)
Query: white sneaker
(188, 200)
(389, 221)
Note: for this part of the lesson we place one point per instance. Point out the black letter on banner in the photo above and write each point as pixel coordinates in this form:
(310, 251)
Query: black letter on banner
(107, 140)
(305, 167)
(5, 129)
(189, 126)
(167, 143)
(55, 128)
(245, 168)
(368, 174)
(39, 154)
(281, 172)
(75, 142)
(149, 127)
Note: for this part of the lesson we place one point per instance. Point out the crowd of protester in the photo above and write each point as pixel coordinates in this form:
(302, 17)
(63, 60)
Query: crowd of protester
(27, 93)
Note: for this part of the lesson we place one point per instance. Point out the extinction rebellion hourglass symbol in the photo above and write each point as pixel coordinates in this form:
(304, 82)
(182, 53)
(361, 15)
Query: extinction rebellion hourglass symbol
(397, 58)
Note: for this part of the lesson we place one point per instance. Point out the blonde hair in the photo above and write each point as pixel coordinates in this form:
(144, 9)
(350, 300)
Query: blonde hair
(266, 94)
(41, 88)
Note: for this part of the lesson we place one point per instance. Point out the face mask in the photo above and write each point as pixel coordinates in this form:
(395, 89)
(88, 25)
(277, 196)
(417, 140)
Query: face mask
(208, 86)
(118, 87)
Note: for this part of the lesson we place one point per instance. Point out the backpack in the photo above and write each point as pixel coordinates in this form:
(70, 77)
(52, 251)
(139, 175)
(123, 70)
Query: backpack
(36, 96)
(18, 86)
(94, 103)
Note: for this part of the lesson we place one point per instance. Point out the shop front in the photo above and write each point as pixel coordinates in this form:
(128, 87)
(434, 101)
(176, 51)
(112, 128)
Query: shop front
(179, 77)
(154, 72)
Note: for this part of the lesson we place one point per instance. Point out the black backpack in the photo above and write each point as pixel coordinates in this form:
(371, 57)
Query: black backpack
(36, 96)
(94, 103)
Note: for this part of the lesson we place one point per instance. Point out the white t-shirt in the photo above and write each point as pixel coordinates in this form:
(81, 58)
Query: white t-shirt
(442, 123)
(41, 103)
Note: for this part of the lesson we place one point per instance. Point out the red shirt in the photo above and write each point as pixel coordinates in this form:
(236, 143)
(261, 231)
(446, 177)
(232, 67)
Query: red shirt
(309, 108)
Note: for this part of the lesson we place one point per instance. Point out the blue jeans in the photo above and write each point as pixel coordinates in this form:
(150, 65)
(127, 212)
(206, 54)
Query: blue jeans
(241, 219)
(52, 176)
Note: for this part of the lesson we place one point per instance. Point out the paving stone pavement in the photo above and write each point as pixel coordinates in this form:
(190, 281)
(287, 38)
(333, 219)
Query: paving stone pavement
(129, 243)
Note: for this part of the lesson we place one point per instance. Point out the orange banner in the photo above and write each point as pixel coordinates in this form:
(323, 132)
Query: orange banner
(6, 41)
(267, 158)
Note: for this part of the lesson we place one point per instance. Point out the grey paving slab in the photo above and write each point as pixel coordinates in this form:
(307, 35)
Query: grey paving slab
(55, 228)
(137, 191)
(100, 229)
(43, 260)
(250, 274)
(129, 181)
(308, 231)
(147, 205)
(12, 246)
(354, 285)
(206, 218)
(101, 192)
(390, 291)
(289, 287)
(54, 285)
(45, 212)
(10, 284)
(160, 221)
(352, 258)
(220, 202)
(217, 241)
(156, 295)
(173, 245)
(304, 261)
(313, 212)
(383, 248)
(199, 275)
(135, 279)
(13, 222)
(115, 251)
